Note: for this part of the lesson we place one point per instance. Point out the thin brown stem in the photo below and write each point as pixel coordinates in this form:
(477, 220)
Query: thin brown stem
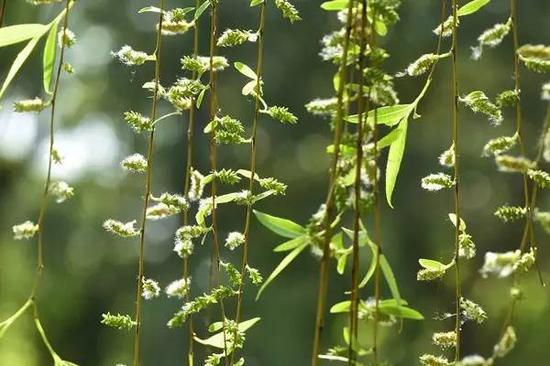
(3, 12)
(253, 148)
(361, 110)
(147, 193)
(186, 185)
(215, 265)
(47, 183)
(455, 129)
(528, 228)
(323, 271)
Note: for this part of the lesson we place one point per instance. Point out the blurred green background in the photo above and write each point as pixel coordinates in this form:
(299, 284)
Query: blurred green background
(89, 272)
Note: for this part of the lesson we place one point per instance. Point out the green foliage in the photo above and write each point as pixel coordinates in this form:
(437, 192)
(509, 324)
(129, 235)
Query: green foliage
(212, 213)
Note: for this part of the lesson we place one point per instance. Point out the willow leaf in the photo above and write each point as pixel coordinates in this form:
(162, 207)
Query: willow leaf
(280, 226)
(217, 340)
(21, 32)
(291, 244)
(19, 61)
(284, 263)
(50, 50)
(395, 156)
(335, 5)
(472, 7)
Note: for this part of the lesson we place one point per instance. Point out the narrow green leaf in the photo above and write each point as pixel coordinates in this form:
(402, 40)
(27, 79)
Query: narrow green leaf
(389, 138)
(200, 98)
(390, 278)
(255, 2)
(399, 311)
(280, 226)
(431, 264)
(19, 61)
(335, 5)
(149, 9)
(388, 115)
(291, 244)
(214, 327)
(50, 49)
(245, 70)
(341, 264)
(395, 157)
(472, 7)
(461, 226)
(370, 271)
(21, 32)
(249, 87)
(201, 9)
(263, 195)
(217, 340)
(282, 265)
(341, 307)
(334, 358)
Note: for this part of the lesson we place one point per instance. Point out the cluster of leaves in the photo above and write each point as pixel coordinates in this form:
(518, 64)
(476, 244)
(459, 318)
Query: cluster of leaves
(185, 95)
(58, 38)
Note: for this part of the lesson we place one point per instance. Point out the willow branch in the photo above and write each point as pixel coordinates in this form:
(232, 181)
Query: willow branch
(455, 129)
(147, 193)
(323, 272)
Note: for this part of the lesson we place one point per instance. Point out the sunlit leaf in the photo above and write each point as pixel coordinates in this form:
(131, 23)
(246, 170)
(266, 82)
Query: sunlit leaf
(245, 70)
(279, 225)
(19, 61)
(50, 49)
(201, 9)
(472, 7)
(335, 5)
(217, 340)
(395, 156)
(282, 265)
(291, 244)
(21, 32)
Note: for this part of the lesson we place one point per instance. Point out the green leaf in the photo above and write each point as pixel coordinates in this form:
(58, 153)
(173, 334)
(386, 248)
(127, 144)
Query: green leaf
(282, 265)
(214, 327)
(291, 244)
(399, 311)
(217, 340)
(461, 226)
(389, 138)
(27, 50)
(263, 195)
(201, 9)
(388, 115)
(20, 32)
(472, 7)
(431, 264)
(280, 226)
(19, 61)
(370, 271)
(255, 2)
(341, 264)
(335, 5)
(380, 28)
(200, 98)
(390, 278)
(249, 87)
(341, 307)
(149, 9)
(245, 70)
(50, 49)
(395, 156)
